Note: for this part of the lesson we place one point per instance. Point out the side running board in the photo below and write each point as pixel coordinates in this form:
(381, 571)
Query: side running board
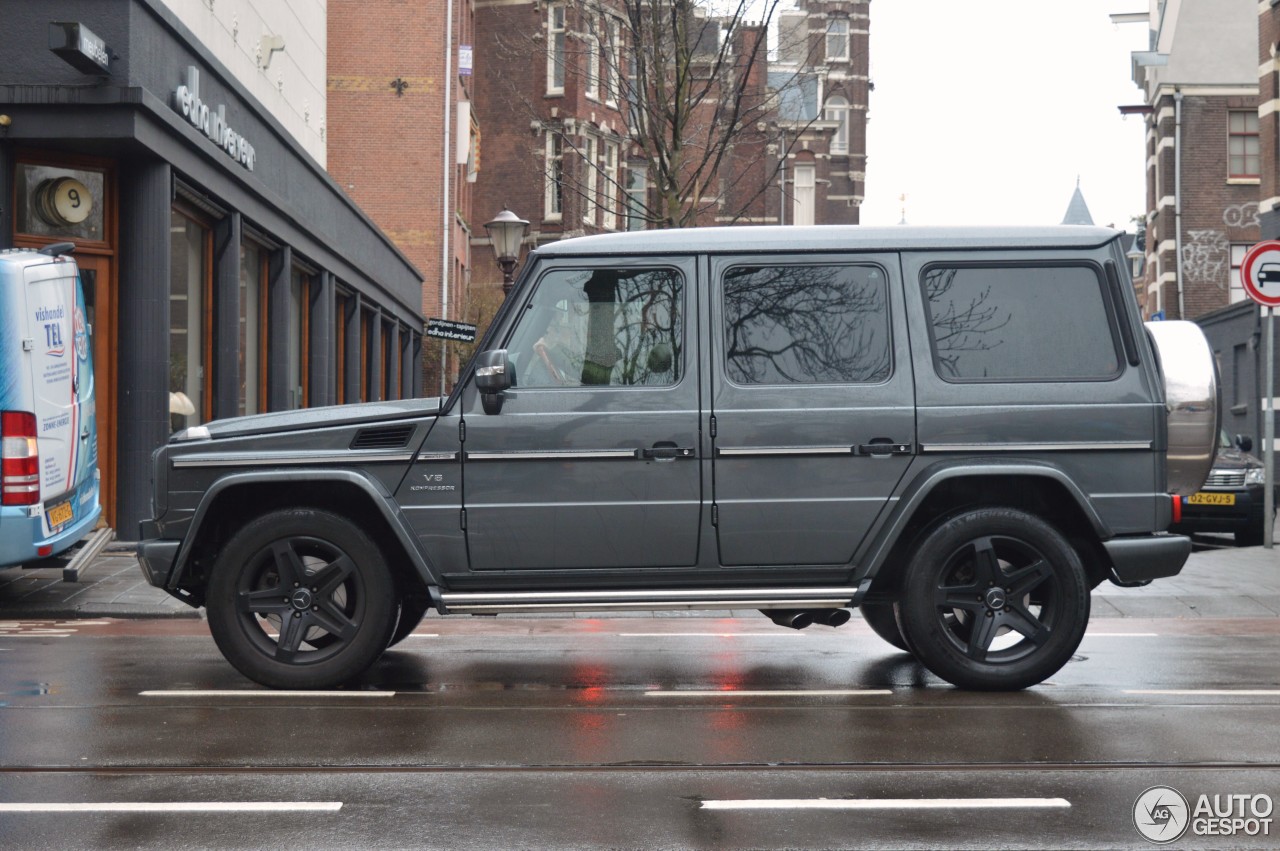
(492, 603)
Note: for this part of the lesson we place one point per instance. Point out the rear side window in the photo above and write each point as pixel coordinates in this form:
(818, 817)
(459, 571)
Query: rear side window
(1020, 323)
(806, 324)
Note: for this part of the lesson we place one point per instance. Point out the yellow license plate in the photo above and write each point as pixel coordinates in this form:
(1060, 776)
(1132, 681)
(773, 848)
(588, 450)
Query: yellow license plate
(1212, 499)
(59, 514)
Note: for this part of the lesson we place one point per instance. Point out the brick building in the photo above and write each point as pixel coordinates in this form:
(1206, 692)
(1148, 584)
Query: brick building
(1203, 168)
(566, 145)
(823, 44)
(403, 140)
(1213, 178)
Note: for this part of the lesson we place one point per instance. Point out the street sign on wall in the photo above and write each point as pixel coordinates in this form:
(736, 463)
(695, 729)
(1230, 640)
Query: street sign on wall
(1260, 273)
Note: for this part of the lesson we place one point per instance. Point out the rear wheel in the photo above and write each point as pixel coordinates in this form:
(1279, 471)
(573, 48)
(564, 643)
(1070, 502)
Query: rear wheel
(994, 599)
(301, 598)
(884, 623)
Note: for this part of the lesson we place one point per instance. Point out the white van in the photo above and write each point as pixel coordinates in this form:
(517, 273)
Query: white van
(48, 429)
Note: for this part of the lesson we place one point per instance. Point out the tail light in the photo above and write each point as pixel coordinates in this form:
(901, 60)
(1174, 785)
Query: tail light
(19, 460)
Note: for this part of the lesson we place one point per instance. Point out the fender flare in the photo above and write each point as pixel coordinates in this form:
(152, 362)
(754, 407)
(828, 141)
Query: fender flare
(931, 477)
(377, 494)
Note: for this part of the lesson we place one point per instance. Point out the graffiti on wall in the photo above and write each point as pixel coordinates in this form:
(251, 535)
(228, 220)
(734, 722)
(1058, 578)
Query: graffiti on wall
(1241, 215)
(1205, 256)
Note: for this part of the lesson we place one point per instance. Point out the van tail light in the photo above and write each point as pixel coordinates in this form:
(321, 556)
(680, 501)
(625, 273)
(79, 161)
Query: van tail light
(1177, 508)
(19, 459)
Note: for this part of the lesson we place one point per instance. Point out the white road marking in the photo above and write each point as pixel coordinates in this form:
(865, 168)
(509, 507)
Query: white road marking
(262, 693)
(178, 807)
(888, 804)
(1213, 692)
(423, 635)
(709, 635)
(768, 693)
(1122, 635)
(35, 635)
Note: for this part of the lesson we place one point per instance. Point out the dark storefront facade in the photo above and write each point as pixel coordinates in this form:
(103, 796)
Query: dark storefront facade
(228, 274)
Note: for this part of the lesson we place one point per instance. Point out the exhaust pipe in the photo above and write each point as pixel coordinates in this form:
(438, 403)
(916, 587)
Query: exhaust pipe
(832, 617)
(793, 618)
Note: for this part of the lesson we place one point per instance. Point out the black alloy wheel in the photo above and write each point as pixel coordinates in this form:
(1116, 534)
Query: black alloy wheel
(996, 599)
(301, 599)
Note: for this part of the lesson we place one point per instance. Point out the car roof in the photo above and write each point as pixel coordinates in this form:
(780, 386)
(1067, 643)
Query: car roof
(782, 239)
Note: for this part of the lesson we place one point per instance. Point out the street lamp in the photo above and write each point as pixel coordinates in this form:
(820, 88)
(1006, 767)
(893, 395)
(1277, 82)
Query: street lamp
(506, 232)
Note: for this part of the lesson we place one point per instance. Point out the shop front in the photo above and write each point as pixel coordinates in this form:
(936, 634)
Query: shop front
(225, 273)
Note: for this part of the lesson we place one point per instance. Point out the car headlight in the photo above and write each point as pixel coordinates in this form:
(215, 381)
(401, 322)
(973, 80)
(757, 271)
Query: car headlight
(1255, 475)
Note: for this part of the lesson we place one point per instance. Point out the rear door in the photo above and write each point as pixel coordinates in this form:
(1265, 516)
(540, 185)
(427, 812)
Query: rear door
(813, 414)
(62, 387)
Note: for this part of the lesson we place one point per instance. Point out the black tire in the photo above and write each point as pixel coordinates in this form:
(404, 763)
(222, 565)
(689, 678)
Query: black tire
(1013, 576)
(315, 579)
(884, 623)
(412, 611)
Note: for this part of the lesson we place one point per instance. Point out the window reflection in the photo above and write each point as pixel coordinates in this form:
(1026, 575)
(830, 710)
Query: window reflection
(806, 325)
(614, 327)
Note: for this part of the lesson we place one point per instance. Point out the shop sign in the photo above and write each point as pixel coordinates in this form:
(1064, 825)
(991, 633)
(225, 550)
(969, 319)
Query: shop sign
(211, 122)
(78, 46)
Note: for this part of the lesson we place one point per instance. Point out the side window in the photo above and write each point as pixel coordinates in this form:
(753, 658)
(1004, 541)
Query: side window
(604, 326)
(806, 325)
(1019, 323)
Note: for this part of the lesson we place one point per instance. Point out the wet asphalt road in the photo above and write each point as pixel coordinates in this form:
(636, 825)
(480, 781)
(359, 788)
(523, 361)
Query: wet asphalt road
(625, 733)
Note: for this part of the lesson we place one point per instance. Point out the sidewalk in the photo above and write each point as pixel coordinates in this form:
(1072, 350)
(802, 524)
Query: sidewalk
(1216, 583)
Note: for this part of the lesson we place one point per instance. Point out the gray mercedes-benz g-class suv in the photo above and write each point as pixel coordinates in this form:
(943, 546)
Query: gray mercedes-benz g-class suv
(959, 431)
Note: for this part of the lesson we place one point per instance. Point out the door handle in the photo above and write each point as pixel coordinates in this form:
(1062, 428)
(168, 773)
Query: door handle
(665, 452)
(883, 446)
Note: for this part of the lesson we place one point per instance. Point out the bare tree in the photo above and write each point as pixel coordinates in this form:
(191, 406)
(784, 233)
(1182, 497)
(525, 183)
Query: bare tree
(688, 84)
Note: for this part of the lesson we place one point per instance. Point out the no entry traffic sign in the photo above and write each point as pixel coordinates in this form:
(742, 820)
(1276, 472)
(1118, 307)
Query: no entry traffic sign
(1260, 273)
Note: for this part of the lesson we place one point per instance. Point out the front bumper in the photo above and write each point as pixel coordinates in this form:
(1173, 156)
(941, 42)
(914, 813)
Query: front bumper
(1146, 557)
(156, 558)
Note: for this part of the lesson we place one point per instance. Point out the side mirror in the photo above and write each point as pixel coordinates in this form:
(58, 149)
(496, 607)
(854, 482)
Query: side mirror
(1244, 442)
(493, 377)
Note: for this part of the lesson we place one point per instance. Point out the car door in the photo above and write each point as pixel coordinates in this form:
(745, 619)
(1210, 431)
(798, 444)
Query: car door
(812, 411)
(592, 461)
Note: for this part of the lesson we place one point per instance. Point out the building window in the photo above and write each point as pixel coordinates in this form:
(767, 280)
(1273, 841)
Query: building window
(253, 307)
(190, 250)
(1237, 285)
(609, 218)
(299, 335)
(555, 49)
(838, 40)
(553, 207)
(390, 364)
(340, 347)
(593, 66)
(591, 180)
(636, 204)
(613, 63)
(837, 110)
(1242, 144)
(804, 188)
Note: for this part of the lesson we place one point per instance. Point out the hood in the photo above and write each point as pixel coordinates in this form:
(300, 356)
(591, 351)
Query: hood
(1232, 458)
(336, 415)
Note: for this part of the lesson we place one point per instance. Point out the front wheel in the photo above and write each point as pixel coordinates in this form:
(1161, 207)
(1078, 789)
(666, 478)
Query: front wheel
(994, 599)
(301, 599)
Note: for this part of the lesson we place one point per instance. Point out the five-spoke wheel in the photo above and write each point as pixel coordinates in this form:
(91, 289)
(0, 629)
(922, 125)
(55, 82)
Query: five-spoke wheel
(301, 598)
(994, 598)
